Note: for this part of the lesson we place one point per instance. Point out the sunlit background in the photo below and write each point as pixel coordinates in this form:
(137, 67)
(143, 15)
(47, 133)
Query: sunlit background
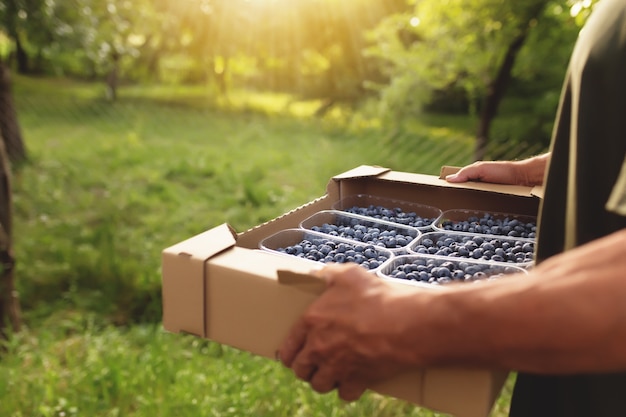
(132, 125)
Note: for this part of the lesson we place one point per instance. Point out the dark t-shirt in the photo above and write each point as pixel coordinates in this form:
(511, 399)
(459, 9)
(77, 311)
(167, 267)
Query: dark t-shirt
(585, 198)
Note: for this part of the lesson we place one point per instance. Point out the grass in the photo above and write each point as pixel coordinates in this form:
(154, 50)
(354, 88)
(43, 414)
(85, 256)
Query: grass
(109, 185)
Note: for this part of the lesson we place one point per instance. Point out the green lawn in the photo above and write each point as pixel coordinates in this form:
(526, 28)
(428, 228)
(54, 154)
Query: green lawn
(109, 185)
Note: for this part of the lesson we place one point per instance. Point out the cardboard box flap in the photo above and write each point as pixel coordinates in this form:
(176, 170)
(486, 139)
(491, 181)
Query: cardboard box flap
(537, 191)
(304, 282)
(183, 284)
(207, 244)
(448, 170)
(362, 171)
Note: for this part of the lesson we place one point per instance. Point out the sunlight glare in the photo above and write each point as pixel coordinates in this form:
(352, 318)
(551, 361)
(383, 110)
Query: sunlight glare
(578, 6)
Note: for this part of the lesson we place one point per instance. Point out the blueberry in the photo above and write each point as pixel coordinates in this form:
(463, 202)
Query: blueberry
(479, 275)
(370, 253)
(400, 275)
(463, 251)
(423, 276)
(359, 259)
(458, 274)
(412, 276)
(488, 246)
(444, 252)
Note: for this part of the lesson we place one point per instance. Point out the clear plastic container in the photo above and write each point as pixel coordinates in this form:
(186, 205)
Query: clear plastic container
(438, 271)
(402, 212)
(489, 248)
(485, 222)
(363, 229)
(322, 248)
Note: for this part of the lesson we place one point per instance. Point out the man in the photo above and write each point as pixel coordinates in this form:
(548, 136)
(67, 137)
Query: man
(563, 326)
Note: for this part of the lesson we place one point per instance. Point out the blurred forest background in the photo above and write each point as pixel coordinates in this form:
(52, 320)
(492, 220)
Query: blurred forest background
(391, 59)
(131, 125)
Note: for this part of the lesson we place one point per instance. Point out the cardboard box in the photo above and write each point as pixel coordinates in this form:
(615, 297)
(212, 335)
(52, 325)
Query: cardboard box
(219, 285)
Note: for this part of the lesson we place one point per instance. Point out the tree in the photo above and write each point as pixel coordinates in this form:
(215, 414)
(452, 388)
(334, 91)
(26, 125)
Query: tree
(25, 23)
(10, 131)
(499, 82)
(9, 302)
(472, 46)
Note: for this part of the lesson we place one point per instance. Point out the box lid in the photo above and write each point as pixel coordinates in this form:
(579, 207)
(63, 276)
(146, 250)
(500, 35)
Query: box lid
(207, 244)
(362, 171)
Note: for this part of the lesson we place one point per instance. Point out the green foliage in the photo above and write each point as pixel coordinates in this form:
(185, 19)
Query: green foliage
(310, 46)
(445, 55)
(109, 185)
(103, 371)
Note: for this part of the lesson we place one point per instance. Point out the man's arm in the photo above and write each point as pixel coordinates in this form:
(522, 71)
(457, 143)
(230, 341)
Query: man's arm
(567, 316)
(525, 172)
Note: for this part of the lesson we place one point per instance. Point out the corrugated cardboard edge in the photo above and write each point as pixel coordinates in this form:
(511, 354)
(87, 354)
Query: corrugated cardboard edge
(183, 281)
(250, 238)
(254, 234)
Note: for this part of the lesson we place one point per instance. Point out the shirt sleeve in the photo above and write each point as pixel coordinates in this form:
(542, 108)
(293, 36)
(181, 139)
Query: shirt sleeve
(617, 199)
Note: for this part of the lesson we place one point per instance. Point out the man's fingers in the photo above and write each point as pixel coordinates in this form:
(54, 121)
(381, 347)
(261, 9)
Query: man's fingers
(304, 371)
(456, 178)
(292, 344)
(323, 380)
(351, 390)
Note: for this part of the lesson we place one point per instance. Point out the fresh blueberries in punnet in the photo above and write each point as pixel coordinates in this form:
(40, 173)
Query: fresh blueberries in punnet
(394, 215)
(329, 251)
(478, 247)
(437, 272)
(378, 235)
(492, 225)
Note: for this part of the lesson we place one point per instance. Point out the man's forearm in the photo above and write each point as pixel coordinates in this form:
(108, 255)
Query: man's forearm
(546, 322)
(531, 171)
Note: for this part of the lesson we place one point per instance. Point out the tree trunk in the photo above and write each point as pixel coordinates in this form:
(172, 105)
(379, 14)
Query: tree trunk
(21, 57)
(10, 131)
(112, 79)
(495, 92)
(498, 86)
(10, 313)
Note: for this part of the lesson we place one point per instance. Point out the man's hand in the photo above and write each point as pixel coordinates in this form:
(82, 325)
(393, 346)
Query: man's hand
(526, 172)
(499, 172)
(349, 337)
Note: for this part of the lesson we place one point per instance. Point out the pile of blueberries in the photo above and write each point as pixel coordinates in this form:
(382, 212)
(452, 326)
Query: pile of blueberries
(492, 225)
(438, 272)
(378, 235)
(479, 247)
(328, 250)
(395, 215)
